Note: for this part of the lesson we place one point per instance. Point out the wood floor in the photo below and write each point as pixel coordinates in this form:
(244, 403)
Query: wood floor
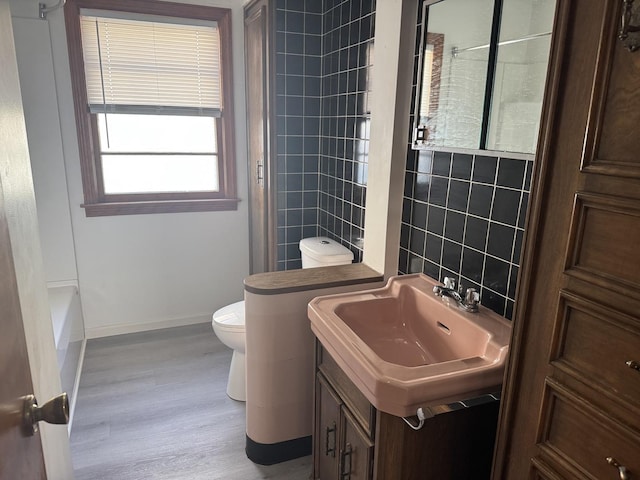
(153, 406)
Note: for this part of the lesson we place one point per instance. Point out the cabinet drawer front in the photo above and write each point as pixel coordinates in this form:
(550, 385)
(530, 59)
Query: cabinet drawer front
(362, 410)
(597, 345)
(580, 435)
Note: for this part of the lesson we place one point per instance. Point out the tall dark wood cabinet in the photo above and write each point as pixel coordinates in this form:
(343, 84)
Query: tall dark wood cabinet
(572, 397)
(259, 75)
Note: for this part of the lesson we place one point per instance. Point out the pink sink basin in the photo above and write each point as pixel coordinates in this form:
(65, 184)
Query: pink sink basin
(406, 348)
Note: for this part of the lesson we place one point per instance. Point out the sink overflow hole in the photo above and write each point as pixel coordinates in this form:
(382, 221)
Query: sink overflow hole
(444, 328)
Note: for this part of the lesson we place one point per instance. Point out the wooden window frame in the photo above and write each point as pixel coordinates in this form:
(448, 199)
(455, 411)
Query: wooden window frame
(96, 202)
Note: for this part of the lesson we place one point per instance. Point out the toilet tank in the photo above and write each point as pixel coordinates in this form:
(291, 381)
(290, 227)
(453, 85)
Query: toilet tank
(323, 252)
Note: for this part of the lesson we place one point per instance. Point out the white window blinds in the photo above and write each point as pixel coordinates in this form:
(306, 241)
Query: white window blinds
(135, 66)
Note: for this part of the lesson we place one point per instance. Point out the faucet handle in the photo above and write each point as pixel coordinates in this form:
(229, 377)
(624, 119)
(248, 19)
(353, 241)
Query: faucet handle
(472, 297)
(449, 282)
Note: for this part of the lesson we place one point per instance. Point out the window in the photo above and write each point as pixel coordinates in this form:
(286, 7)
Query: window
(153, 103)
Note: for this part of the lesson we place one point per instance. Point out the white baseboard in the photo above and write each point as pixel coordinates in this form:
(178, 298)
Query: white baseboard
(76, 384)
(63, 283)
(123, 328)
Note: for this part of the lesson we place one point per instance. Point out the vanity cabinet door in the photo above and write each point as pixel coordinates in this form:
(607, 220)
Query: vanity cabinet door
(327, 432)
(356, 453)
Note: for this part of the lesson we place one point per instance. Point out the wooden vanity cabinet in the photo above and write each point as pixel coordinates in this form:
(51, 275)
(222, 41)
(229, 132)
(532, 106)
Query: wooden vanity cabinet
(343, 450)
(325, 449)
(352, 440)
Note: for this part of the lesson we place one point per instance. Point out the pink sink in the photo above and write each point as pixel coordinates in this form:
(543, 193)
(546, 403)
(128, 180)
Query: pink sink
(406, 348)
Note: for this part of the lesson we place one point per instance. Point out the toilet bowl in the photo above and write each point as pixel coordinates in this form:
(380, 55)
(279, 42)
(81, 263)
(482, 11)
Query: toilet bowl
(228, 325)
(228, 322)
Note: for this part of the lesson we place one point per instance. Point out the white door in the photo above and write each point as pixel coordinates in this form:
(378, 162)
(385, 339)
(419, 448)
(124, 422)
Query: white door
(28, 363)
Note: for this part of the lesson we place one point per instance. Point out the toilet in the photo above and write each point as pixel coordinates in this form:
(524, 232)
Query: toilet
(228, 322)
(323, 252)
(228, 325)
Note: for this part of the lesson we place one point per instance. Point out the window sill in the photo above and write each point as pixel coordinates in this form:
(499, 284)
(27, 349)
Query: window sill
(167, 206)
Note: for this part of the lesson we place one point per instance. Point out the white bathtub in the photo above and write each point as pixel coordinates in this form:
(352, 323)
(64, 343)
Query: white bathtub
(68, 332)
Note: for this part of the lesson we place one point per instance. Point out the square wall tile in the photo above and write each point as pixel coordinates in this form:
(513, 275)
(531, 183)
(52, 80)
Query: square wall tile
(500, 242)
(472, 264)
(461, 166)
(484, 169)
(506, 206)
(511, 173)
(454, 227)
(476, 233)
(480, 200)
(441, 164)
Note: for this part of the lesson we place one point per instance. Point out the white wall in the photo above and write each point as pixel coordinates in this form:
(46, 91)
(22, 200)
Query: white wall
(139, 272)
(392, 72)
(40, 100)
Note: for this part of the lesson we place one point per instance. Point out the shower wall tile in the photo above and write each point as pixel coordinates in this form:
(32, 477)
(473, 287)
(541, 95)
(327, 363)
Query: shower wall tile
(298, 96)
(323, 59)
(347, 40)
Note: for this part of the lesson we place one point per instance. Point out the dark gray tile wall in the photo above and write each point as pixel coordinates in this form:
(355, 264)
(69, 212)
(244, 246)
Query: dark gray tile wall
(323, 55)
(463, 214)
(298, 97)
(344, 132)
(463, 217)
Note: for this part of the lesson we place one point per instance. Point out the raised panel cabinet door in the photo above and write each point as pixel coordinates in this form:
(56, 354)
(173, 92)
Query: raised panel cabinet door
(356, 454)
(570, 405)
(327, 429)
(257, 25)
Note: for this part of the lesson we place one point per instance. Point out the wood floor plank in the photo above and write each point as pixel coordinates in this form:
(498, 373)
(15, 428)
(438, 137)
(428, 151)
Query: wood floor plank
(153, 405)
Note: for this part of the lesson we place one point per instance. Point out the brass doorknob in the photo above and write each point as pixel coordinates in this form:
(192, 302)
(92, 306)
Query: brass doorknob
(55, 411)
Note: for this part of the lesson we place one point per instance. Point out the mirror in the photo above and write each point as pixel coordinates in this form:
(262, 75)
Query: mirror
(482, 72)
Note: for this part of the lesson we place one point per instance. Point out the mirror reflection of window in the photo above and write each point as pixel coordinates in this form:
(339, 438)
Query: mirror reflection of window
(456, 118)
(430, 80)
(427, 70)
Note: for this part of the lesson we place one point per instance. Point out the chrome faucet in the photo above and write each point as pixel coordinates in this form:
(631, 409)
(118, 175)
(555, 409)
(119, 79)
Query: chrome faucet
(471, 298)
